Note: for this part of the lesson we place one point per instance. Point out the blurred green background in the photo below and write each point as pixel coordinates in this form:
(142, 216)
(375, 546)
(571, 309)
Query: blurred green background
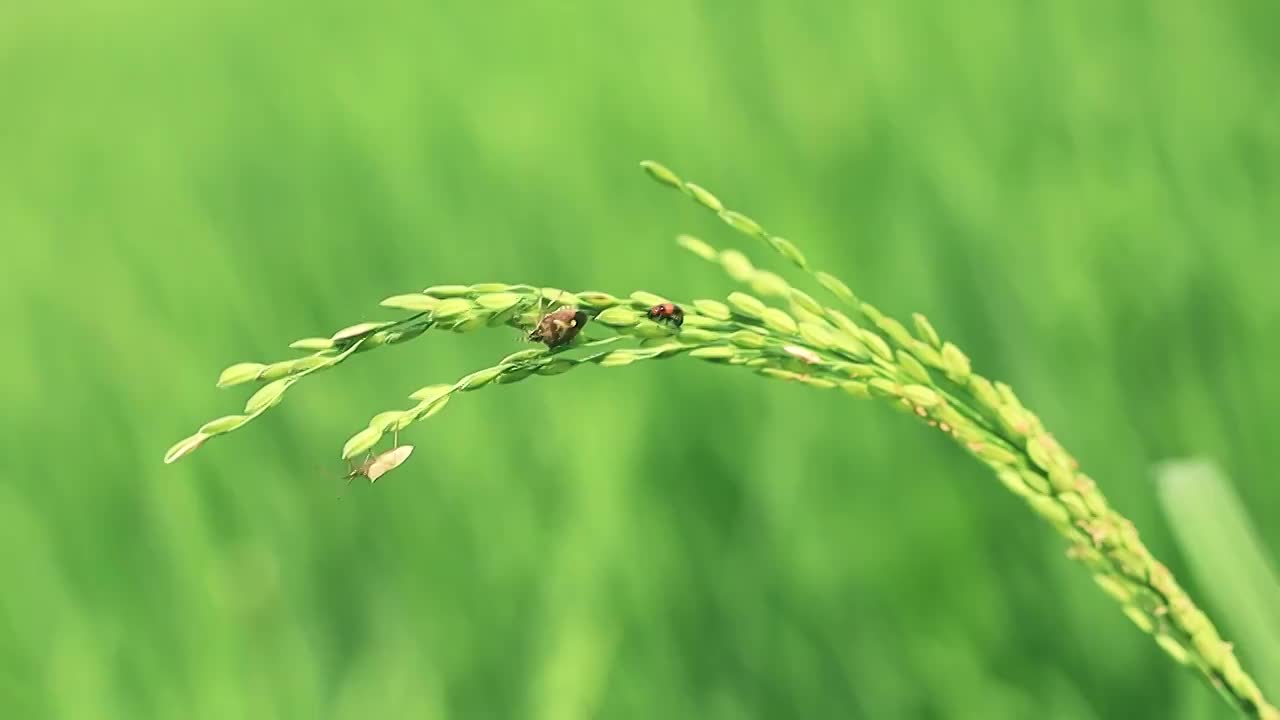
(1083, 194)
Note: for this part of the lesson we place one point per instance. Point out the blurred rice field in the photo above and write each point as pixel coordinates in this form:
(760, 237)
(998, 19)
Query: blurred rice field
(1084, 195)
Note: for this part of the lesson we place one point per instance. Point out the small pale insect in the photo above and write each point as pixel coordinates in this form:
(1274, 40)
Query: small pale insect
(375, 466)
(379, 465)
(802, 354)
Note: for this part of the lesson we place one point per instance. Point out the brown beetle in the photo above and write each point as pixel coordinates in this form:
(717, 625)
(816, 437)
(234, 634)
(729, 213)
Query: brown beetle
(559, 327)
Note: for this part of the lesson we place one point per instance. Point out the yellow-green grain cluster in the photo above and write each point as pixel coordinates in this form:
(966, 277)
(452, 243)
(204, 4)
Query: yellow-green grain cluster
(936, 381)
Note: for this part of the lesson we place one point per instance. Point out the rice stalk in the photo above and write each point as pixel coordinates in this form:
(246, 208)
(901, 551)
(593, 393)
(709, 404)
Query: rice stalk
(864, 353)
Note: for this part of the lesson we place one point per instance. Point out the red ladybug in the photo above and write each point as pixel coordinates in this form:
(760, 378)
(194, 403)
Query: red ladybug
(667, 312)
